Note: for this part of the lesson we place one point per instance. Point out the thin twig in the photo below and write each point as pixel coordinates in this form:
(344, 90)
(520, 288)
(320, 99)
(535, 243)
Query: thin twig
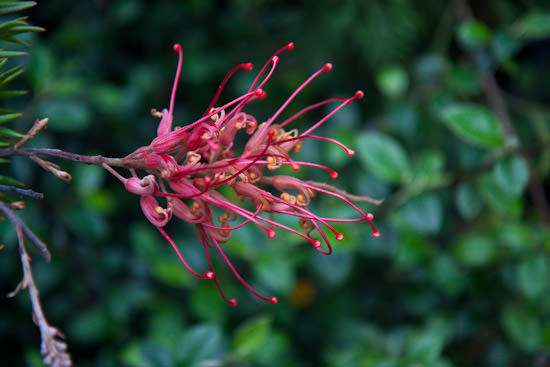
(52, 348)
(97, 160)
(17, 222)
(27, 193)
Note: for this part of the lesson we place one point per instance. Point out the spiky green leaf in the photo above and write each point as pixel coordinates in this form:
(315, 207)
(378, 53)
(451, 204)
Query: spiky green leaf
(6, 132)
(7, 7)
(8, 117)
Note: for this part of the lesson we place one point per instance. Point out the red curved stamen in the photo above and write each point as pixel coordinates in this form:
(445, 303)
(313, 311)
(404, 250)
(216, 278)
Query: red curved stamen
(358, 95)
(348, 150)
(202, 237)
(367, 216)
(309, 108)
(332, 173)
(326, 67)
(247, 67)
(237, 275)
(177, 48)
(289, 46)
(208, 275)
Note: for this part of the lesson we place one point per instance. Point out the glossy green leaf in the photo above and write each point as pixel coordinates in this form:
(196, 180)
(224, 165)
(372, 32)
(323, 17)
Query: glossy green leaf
(512, 174)
(474, 123)
(383, 156)
(424, 213)
(7, 7)
(474, 250)
(9, 116)
(275, 272)
(473, 33)
(251, 335)
(201, 343)
(392, 81)
(534, 277)
(534, 25)
(522, 327)
(468, 200)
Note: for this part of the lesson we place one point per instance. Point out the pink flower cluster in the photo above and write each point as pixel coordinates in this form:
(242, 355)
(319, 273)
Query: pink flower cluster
(186, 166)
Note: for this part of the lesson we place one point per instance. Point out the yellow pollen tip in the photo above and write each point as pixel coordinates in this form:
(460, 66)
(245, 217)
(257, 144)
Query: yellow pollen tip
(159, 210)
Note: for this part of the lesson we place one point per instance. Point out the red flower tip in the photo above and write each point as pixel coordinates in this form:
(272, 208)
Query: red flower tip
(339, 237)
(210, 275)
(350, 152)
(232, 302)
(177, 47)
(207, 180)
(271, 233)
(327, 67)
(370, 216)
(359, 94)
(316, 243)
(274, 300)
(290, 46)
(275, 59)
(334, 174)
(270, 133)
(375, 234)
(247, 66)
(295, 167)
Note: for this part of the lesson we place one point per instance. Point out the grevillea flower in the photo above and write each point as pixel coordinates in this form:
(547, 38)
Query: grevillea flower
(187, 165)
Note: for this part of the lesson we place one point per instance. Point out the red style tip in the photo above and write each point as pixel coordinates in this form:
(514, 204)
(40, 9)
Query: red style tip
(177, 47)
(270, 133)
(370, 216)
(295, 167)
(350, 152)
(207, 180)
(359, 94)
(339, 237)
(290, 46)
(334, 175)
(275, 59)
(327, 67)
(232, 302)
(260, 93)
(210, 275)
(316, 243)
(247, 66)
(375, 234)
(271, 233)
(274, 300)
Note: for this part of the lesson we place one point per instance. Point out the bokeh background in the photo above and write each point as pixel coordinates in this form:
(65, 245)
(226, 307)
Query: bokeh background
(460, 274)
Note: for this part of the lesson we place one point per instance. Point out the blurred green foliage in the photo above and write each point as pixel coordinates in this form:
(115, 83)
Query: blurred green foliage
(461, 273)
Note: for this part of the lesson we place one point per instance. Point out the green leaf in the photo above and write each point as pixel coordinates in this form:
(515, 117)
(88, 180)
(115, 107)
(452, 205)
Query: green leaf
(428, 170)
(474, 250)
(474, 123)
(392, 81)
(535, 25)
(512, 174)
(5, 132)
(468, 200)
(251, 335)
(533, 277)
(7, 7)
(522, 327)
(497, 198)
(275, 272)
(473, 33)
(8, 117)
(384, 157)
(202, 342)
(10, 74)
(11, 93)
(4, 53)
(66, 115)
(424, 213)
